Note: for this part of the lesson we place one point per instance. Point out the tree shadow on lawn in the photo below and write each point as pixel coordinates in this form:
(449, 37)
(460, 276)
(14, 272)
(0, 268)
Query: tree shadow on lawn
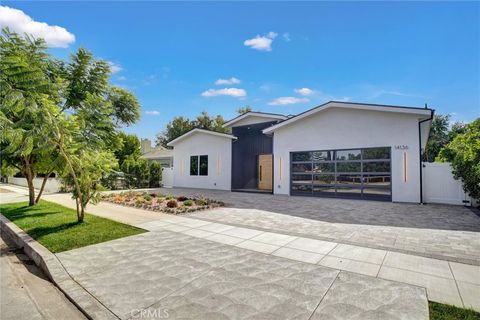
(40, 232)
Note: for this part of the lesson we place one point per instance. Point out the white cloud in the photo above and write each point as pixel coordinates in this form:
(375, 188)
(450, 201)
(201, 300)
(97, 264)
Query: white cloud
(283, 101)
(304, 91)
(232, 80)
(114, 68)
(286, 37)
(233, 92)
(152, 112)
(122, 78)
(17, 21)
(261, 43)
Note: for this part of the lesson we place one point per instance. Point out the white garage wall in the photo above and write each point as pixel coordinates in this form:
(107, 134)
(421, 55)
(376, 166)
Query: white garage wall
(337, 128)
(219, 151)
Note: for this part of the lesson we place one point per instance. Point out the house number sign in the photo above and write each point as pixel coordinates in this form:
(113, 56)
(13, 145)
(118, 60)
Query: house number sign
(401, 147)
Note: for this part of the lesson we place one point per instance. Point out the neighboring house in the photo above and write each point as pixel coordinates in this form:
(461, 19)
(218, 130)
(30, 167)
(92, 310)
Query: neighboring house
(338, 149)
(160, 154)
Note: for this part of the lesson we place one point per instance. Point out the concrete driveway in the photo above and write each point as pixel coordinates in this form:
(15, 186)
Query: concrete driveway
(236, 263)
(167, 274)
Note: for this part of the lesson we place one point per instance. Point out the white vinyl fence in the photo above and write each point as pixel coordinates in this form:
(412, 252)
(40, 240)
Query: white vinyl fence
(439, 186)
(52, 185)
(167, 177)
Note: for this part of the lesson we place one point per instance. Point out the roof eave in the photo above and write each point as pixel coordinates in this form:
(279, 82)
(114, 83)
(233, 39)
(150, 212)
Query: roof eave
(229, 123)
(196, 130)
(366, 106)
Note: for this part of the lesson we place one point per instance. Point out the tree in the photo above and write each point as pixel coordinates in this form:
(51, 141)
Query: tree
(130, 146)
(58, 116)
(438, 137)
(89, 127)
(181, 125)
(173, 130)
(243, 110)
(463, 152)
(456, 128)
(28, 85)
(137, 172)
(155, 174)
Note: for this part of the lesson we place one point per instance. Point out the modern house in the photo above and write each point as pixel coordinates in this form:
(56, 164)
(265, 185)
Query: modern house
(338, 149)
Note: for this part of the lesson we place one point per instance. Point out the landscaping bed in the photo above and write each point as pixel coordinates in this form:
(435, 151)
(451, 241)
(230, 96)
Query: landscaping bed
(161, 203)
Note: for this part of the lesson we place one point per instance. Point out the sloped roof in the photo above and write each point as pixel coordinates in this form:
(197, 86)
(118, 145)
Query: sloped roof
(254, 114)
(158, 153)
(424, 113)
(203, 131)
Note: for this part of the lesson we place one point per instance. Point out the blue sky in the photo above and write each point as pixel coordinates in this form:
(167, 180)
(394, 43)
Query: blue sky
(285, 57)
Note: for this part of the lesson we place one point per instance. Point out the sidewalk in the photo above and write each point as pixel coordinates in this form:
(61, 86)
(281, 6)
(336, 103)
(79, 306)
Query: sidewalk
(25, 293)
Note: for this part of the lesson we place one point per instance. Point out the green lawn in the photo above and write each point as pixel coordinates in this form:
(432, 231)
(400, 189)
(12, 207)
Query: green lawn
(56, 227)
(439, 311)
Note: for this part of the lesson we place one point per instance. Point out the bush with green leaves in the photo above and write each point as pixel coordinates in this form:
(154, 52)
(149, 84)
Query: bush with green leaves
(463, 152)
(188, 203)
(147, 197)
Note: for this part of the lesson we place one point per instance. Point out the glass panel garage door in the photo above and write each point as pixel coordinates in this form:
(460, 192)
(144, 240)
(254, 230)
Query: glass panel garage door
(353, 173)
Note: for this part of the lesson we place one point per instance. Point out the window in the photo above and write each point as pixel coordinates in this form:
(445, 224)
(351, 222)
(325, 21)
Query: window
(204, 165)
(199, 165)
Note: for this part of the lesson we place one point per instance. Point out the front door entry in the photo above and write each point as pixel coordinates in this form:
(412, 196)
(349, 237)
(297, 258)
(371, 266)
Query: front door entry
(265, 165)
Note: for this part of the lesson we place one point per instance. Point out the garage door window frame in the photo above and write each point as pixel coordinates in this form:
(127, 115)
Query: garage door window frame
(306, 183)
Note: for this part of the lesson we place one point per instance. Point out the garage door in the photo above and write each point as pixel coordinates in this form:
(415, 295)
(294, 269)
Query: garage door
(348, 173)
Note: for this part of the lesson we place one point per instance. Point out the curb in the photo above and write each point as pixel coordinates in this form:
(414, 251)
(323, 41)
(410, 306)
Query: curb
(53, 268)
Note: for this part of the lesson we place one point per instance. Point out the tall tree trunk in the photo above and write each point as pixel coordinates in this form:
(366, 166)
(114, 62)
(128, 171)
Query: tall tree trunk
(44, 182)
(29, 176)
(82, 214)
(79, 197)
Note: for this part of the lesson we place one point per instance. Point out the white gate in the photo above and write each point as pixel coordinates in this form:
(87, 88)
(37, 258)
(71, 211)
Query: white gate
(439, 186)
(167, 177)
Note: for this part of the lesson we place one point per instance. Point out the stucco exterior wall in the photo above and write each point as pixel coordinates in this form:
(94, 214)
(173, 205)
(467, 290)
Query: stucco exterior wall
(346, 128)
(219, 151)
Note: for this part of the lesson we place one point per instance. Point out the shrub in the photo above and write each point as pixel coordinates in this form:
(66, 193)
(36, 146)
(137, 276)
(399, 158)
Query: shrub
(188, 203)
(147, 197)
(169, 197)
(202, 202)
(172, 203)
(464, 154)
(182, 198)
(139, 200)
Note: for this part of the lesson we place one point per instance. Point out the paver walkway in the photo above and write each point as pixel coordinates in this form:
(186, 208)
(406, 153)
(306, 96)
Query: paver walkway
(437, 231)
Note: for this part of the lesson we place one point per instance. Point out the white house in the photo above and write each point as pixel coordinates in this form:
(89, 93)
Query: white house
(338, 149)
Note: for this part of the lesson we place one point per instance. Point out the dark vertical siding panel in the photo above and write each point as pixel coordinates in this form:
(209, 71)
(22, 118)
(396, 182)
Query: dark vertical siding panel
(245, 150)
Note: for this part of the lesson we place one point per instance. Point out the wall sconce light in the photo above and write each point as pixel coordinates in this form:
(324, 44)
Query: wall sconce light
(280, 168)
(404, 167)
